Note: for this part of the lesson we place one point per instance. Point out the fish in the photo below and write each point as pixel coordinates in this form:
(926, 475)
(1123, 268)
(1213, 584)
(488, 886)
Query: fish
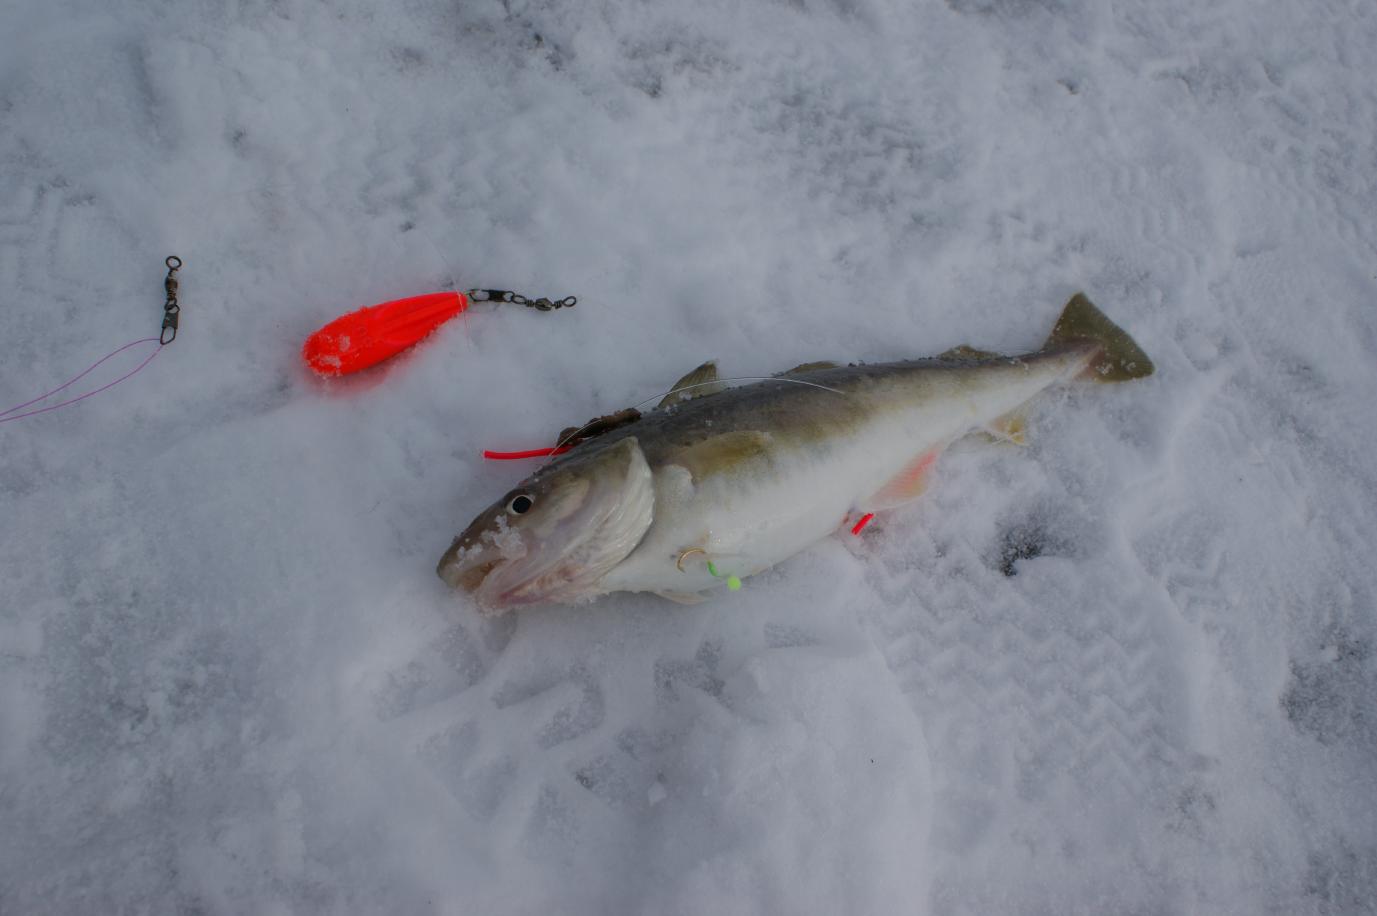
(719, 483)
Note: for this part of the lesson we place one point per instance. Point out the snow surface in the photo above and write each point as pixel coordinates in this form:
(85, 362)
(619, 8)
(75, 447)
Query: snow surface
(231, 682)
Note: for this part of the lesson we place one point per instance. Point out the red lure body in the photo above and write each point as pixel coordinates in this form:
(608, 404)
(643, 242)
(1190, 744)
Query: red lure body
(370, 335)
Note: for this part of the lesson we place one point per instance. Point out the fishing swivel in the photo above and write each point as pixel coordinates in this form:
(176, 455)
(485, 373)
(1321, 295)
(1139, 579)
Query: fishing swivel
(505, 295)
(171, 310)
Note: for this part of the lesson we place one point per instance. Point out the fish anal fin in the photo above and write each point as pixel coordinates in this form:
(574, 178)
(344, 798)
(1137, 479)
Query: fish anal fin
(905, 486)
(965, 351)
(699, 383)
(1011, 427)
(687, 598)
(808, 367)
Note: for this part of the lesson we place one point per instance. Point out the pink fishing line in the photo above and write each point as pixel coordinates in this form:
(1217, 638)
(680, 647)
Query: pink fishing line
(5, 415)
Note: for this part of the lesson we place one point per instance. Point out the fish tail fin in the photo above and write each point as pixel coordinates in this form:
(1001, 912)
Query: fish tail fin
(1118, 359)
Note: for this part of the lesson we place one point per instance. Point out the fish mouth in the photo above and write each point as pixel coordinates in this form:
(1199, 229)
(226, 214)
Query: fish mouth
(481, 570)
(498, 584)
(462, 572)
(500, 580)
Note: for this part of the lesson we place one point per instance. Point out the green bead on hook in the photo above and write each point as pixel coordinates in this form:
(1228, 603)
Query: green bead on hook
(733, 581)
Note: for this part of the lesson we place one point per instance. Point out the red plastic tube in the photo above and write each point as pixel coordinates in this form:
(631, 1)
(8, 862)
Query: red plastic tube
(372, 334)
(529, 453)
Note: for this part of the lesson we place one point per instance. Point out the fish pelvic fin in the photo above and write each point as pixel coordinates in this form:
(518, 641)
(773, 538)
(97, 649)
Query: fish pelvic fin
(905, 486)
(1118, 359)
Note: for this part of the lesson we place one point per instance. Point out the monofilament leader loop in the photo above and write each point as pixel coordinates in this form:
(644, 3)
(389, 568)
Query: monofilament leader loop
(171, 311)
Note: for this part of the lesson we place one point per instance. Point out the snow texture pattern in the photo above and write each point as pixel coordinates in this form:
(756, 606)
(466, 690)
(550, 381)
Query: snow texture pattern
(1129, 669)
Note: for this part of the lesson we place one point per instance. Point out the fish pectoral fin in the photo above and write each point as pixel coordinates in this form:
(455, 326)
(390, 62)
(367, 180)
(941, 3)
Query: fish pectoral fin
(967, 352)
(1011, 427)
(699, 383)
(723, 452)
(687, 598)
(905, 486)
(808, 367)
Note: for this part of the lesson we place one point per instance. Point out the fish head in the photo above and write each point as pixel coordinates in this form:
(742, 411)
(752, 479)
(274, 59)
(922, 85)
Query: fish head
(553, 537)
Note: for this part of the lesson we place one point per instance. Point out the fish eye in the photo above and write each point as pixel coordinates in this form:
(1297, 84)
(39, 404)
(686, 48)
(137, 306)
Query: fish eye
(520, 504)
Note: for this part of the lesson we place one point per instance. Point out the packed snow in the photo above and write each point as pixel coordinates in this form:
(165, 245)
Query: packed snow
(1131, 668)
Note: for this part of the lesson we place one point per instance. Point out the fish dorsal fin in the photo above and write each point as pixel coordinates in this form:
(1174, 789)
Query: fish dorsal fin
(808, 367)
(1119, 358)
(595, 427)
(697, 384)
(905, 486)
(966, 351)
